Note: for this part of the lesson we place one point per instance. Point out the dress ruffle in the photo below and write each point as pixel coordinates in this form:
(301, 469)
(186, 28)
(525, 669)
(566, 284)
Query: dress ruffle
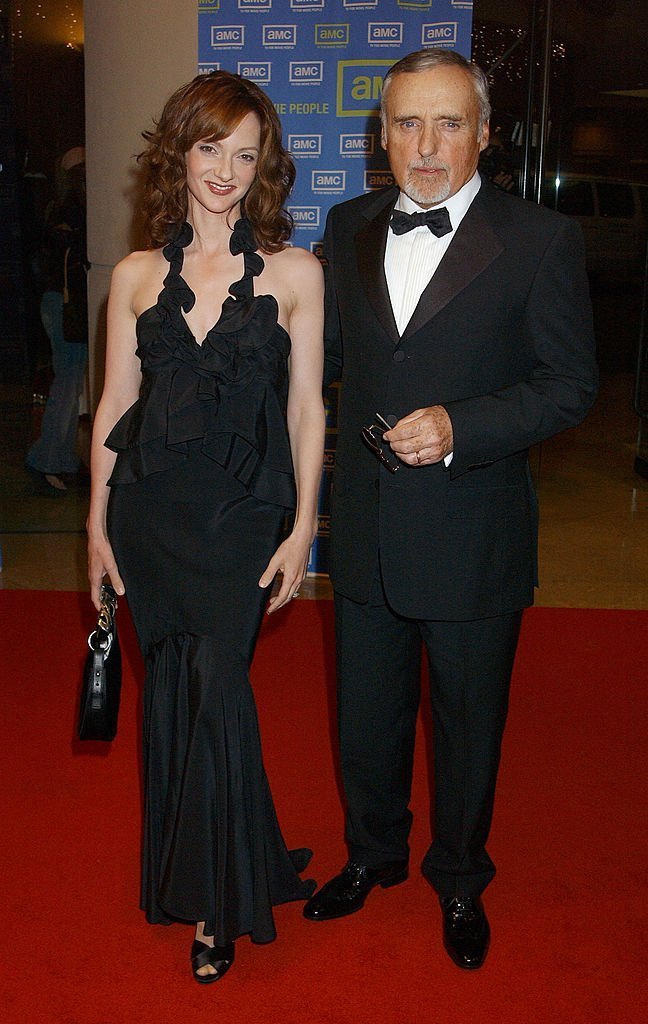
(213, 848)
(187, 388)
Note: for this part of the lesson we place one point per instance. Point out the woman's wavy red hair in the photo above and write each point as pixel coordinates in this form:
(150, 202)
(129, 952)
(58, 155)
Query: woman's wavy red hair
(211, 107)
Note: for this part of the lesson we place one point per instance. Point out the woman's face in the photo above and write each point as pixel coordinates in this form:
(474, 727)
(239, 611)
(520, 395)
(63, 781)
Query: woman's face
(219, 174)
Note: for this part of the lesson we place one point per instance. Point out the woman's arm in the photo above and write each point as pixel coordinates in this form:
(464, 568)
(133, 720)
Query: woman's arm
(306, 423)
(121, 389)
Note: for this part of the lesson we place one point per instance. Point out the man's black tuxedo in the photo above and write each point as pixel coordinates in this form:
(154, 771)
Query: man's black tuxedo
(502, 337)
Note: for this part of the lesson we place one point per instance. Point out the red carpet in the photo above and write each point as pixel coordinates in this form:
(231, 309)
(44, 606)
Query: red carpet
(566, 908)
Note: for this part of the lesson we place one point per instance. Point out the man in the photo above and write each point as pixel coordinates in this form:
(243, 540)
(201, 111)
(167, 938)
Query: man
(472, 337)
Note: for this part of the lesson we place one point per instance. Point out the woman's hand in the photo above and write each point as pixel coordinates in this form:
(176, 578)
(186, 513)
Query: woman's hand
(101, 562)
(291, 560)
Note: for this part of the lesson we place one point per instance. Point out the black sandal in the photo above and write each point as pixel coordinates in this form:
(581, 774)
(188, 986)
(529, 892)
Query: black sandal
(220, 958)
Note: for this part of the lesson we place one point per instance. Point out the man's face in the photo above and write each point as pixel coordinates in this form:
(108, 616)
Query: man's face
(430, 132)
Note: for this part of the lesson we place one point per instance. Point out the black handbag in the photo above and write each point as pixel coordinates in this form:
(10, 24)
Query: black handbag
(102, 675)
(75, 299)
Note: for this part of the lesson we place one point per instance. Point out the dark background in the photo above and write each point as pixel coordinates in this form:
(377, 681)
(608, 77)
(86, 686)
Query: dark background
(598, 114)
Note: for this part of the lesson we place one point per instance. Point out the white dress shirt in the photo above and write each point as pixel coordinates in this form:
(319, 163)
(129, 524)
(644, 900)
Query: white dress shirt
(412, 259)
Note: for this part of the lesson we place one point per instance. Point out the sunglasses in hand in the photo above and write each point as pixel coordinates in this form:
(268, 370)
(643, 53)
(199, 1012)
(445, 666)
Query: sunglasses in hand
(373, 438)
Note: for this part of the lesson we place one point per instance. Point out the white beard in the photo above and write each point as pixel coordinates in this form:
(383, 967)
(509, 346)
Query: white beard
(426, 194)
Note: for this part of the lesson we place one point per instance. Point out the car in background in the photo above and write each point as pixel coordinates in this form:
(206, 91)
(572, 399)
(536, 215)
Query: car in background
(614, 218)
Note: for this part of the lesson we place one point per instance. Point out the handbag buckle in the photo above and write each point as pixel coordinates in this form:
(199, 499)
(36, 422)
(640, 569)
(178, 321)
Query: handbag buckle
(96, 644)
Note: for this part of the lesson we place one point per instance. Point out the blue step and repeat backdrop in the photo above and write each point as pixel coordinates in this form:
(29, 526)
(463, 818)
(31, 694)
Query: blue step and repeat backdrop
(322, 63)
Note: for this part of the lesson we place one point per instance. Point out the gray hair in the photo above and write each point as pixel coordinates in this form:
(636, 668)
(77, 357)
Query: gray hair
(426, 60)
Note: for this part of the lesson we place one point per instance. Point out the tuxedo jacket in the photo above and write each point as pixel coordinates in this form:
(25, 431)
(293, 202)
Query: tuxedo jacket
(502, 337)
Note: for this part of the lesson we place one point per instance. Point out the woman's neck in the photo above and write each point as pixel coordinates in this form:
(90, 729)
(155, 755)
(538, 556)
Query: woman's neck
(212, 231)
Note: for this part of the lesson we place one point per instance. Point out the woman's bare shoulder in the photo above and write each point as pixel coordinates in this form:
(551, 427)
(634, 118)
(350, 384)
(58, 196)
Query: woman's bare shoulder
(138, 265)
(137, 280)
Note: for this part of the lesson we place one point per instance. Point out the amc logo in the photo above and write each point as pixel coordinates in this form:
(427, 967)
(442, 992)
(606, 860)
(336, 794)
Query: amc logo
(305, 145)
(332, 35)
(323, 525)
(227, 35)
(330, 182)
(309, 72)
(443, 33)
(357, 145)
(317, 249)
(385, 33)
(307, 5)
(255, 5)
(373, 180)
(359, 87)
(415, 5)
(206, 69)
(351, 4)
(305, 216)
(279, 35)
(259, 71)
(208, 5)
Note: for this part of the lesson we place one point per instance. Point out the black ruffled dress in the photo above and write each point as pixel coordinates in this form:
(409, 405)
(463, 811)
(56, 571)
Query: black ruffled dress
(199, 493)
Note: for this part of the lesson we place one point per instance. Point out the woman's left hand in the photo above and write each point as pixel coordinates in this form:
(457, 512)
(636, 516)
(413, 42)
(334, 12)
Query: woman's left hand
(290, 560)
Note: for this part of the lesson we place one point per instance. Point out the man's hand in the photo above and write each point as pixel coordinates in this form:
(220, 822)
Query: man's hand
(423, 437)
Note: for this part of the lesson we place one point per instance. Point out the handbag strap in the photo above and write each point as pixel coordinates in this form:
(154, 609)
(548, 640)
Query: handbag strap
(108, 608)
(101, 638)
(66, 291)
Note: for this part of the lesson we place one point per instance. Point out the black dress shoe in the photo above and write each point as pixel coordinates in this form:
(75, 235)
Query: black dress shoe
(348, 891)
(466, 932)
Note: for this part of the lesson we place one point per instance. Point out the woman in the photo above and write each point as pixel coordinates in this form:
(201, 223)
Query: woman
(62, 261)
(209, 430)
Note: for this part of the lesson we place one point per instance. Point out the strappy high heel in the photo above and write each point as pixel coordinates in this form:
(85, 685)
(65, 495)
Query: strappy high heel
(220, 958)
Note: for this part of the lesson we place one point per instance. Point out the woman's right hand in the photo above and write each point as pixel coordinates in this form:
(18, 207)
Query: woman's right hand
(101, 562)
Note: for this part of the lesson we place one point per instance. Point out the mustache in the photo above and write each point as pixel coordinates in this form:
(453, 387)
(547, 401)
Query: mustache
(428, 165)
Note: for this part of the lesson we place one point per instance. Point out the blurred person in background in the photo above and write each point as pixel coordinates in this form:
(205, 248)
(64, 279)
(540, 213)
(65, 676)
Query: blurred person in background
(63, 309)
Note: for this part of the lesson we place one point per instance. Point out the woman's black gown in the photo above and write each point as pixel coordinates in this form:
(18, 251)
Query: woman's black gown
(199, 493)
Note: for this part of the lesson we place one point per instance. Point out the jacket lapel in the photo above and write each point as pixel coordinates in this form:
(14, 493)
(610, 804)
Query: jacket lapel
(370, 242)
(473, 248)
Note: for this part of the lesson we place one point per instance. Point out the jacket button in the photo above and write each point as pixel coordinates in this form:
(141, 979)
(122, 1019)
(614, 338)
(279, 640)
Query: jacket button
(392, 420)
(399, 355)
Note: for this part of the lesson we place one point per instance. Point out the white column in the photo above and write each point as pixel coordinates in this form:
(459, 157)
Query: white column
(136, 54)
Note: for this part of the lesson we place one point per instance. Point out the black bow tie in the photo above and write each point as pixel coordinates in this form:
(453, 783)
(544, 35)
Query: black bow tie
(438, 221)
